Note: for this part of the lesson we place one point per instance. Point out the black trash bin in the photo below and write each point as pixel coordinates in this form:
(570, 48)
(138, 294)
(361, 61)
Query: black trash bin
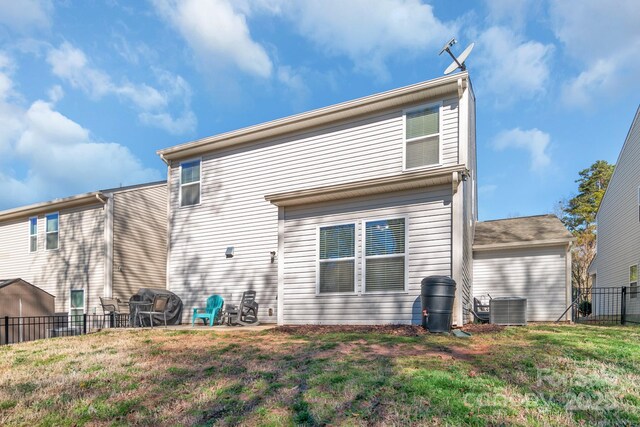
(437, 295)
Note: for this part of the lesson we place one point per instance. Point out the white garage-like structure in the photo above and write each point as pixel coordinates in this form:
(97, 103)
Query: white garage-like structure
(528, 257)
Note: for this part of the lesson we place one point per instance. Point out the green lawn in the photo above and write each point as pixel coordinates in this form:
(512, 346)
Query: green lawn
(537, 375)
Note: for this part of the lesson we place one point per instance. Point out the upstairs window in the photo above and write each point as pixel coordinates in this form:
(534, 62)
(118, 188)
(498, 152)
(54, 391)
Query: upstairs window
(337, 262)
(33, 234)
(385, 243)
(633, 281)
(422, 136)
(52, 237)
(190, 183)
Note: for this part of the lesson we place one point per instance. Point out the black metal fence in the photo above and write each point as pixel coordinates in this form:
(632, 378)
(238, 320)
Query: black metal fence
(617, 305)
(21, 329)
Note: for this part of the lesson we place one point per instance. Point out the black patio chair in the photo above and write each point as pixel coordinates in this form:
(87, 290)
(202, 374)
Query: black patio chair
(245, 314)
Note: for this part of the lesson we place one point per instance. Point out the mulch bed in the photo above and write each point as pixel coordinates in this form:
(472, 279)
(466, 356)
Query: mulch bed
(398, 330)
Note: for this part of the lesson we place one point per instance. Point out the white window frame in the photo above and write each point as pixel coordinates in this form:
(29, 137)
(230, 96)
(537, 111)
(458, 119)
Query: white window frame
(199, 182)
(84, 302)
(405, 254)
(51, 232)
(36, 235)
(354, 258)
(633, 290)
(405, 140)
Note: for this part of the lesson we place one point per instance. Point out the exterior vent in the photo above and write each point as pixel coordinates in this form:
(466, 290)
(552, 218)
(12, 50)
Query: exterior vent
(508, 311)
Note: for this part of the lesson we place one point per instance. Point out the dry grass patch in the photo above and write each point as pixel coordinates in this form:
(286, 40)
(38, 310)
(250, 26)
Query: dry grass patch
(538, 375)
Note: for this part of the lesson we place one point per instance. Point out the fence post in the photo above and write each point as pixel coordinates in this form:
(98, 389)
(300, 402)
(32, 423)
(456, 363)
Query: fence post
(6, 330)
(623, 306)
(84, 324)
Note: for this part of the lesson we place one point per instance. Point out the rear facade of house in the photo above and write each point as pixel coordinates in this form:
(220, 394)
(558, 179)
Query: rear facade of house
(106, 243)
(333, 216)
(618, 219)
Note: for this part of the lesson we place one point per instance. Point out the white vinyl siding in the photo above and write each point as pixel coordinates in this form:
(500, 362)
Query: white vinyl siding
(233, 211)
(140, 240)
(336, 259)
(52, 231)
(538, 274)
(384, 255)
(428, 252)
(79, 261)
(190, 183)
(33, 234)
(422, 136)
(618, 217)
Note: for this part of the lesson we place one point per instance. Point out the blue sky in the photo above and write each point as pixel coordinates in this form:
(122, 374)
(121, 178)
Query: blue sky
(89, 90)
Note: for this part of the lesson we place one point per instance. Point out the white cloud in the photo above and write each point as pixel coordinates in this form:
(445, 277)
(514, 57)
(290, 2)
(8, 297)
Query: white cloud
(72, 65)
(603, 40)
(368, 32)
(510, 67)
(513, 13)
(26, 15)
(217, 33)
(58, 155)
(534, 141)
(487, 189)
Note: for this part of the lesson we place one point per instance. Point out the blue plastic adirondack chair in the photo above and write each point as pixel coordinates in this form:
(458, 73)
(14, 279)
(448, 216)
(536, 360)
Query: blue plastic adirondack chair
(214, 306)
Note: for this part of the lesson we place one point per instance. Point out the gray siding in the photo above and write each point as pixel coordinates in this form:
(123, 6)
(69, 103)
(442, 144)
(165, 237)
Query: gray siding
(428, 216)
(78, 263)
(618, 223)
(538, 274)
(233, 211)
(139, 240)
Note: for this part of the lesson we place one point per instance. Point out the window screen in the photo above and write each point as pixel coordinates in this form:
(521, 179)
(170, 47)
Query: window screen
(190, 183)
(33, 234)
(52, 231)
(422, 137)
(385, 242)
(337, 258)
(633, 281)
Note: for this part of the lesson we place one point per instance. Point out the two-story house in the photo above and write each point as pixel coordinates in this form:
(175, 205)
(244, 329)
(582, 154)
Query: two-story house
(104, 243)
(333, 216)
(618, 242)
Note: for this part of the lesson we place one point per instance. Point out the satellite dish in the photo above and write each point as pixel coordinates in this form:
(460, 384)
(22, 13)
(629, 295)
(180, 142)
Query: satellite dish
(459, 61)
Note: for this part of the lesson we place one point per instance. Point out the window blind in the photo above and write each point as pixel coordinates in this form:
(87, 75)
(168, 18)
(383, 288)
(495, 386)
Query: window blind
(422, 122)
(385, 255)
(337, 262)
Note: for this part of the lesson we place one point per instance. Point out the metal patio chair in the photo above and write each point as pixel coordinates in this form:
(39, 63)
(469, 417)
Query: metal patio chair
(158, 306)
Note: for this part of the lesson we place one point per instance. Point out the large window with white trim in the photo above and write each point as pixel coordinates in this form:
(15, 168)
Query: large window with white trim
(190, 183)
(336, 259)
(422, 136)
(52, 234)
(385, 255)
(33, 234)
(633, 281)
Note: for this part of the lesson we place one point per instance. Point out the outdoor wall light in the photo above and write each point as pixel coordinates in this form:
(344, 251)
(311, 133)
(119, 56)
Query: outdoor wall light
(229, 252)
(273, 256)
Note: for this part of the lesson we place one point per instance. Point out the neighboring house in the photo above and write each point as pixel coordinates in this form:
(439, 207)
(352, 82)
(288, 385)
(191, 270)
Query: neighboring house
(618, 219)
(333, 216)
(105, 243)
(527, 257)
